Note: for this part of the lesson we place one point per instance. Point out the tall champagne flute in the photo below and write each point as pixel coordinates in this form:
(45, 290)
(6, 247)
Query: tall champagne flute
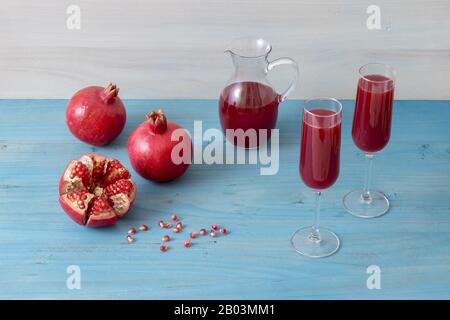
(319, 169)
(371, 132)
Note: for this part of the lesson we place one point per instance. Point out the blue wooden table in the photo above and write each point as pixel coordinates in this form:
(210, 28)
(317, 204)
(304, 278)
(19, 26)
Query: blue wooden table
(410, 244)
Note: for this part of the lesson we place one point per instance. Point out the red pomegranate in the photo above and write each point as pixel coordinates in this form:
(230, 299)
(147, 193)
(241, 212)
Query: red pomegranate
(96, 115)
(96, 191)
(150, 148)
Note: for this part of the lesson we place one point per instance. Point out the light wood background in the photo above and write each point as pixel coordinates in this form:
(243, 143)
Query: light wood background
(174, 48)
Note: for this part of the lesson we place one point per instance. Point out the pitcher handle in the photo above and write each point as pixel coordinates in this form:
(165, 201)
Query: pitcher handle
(293, 64)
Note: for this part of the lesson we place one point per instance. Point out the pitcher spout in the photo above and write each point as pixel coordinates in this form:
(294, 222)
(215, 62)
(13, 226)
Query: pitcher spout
(249, 47)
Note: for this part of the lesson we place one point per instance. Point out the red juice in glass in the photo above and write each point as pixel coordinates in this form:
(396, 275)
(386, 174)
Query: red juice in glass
(319, 169)
(373, 112)
(248, 105)
(320, 148)
(371, 132)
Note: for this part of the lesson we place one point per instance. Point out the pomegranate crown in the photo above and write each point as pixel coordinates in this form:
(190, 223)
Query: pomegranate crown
(110, 93)
(157, 121)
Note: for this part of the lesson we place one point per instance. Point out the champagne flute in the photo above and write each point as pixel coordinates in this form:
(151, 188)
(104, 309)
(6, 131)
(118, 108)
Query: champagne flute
(371, 132)
(319, 170)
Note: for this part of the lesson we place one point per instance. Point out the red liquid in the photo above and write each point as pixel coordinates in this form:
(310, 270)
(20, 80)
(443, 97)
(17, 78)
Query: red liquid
(373, 112)
(248, 105)
(320, 149)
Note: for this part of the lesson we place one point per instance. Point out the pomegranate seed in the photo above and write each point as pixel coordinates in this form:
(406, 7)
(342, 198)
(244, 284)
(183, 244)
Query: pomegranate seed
(176, 230)
(121, 186)
(212, 233)
(163, 248)
(179, 225)
(81, 204)
(167, 226)
(132, 231)
(144, 227)
(187, 243)
(202, 232)
(214, 226)
(193, 235)
(223, 231)
(130, 239)
(165, 238)
(174, 217)
(161, 224)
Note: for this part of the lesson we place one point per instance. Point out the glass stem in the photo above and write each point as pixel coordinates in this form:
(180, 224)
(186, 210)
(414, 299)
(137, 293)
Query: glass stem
(315, 234)
(366, 197)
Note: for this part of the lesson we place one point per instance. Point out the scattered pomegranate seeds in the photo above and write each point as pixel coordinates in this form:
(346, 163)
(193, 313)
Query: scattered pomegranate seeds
(178, 228)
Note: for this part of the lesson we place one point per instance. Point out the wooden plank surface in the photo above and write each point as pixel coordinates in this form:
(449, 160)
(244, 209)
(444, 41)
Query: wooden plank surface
(174, 48)
(411, 244)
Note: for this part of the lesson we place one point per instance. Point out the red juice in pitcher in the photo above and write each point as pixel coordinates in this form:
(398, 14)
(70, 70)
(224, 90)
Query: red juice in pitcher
(320, 148)
(248, 105)
(373, 112)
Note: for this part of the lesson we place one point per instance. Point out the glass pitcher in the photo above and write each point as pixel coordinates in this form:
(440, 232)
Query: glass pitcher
(249, 105)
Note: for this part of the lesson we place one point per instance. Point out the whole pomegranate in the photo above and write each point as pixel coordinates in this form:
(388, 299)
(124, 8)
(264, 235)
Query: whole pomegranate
(96, 115)
(150, 148)
(96, 191)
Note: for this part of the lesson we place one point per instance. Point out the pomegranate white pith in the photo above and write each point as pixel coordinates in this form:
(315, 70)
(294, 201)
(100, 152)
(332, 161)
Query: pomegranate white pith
(96, 191)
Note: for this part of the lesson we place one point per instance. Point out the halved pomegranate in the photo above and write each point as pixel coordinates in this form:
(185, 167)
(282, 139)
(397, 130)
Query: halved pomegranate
(96, 191)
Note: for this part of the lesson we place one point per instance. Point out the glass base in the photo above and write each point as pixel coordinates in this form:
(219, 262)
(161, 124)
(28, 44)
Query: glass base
(303, 243)
(357, 206)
